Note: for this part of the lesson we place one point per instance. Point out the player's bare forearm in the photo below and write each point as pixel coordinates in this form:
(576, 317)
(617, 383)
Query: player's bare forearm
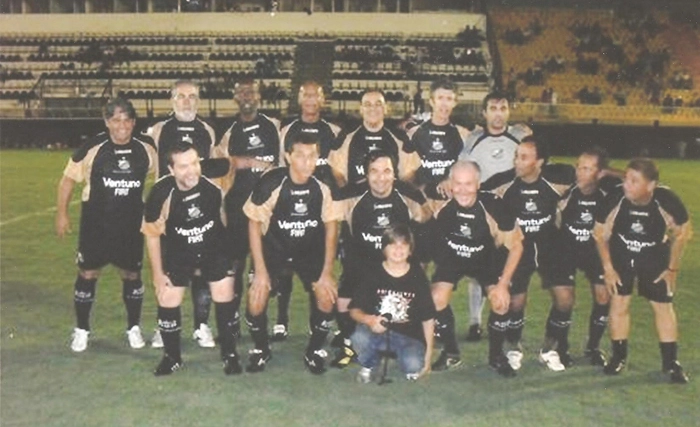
(331, 244)
(515, 252)
(428, 333)
(65, 190)
(256, 246)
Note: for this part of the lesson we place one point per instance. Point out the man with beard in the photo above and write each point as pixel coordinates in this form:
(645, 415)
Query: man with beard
(311, 100)
(185, 125)
(252, 146)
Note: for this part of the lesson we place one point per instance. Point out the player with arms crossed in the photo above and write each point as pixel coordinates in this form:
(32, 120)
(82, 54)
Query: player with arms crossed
(113, 165)
(641, 233)
(184, 228)
(293, 228)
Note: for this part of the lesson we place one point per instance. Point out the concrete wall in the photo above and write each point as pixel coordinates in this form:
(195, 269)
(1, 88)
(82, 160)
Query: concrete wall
(231, 23)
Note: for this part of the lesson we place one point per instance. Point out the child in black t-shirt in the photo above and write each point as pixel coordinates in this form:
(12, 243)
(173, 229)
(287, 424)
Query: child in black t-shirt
(394, 299)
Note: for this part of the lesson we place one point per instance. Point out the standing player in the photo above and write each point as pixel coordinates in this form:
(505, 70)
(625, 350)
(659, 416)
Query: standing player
(438, 143)
(641, 233)
(252, 145)
(311, 100)
(370, 208)
(531, 194)
(493, 148)
(113, 165)
(468, 233)
(577, 249)
(183, 224)
(185, 125)
(293, 228)
(347, 162)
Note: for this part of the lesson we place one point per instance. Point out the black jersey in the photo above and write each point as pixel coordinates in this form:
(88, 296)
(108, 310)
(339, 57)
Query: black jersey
(349, 159)
(190, 222)
(292, 215)
(167, 133)
(578, 213)
(114, 177)
(407, 298)
(258, 139)
(472, 234)
(639, 230)
(438, 148)
(327, 134)
(534, 204)
(368, 216)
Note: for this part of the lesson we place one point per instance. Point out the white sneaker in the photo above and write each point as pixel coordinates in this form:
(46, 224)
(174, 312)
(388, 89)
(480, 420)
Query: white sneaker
(135, 337)
(80, 340)
(157, 340)
(515, 359)
(552, 361)
(364, 376)
(203, 336)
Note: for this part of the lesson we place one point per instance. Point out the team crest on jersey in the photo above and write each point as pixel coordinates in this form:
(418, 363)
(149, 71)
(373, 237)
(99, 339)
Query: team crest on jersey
(300, 207)
(123, 164)
(498, 153)
(530, 206)
(194, 212)
(187, 138)
(637, 227)
(373, 147)
(465, 230)
(254, 140)
(586, 217)
(383, 220)
(438, 145)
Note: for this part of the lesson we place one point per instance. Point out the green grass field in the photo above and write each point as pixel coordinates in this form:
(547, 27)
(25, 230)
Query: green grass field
(44, 384)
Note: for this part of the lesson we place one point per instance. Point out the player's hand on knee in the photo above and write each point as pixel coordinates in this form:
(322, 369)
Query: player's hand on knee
(499, 298)
(377, 324)
(260, 287)
(161, 282)
(612, 281)
(326, 289)
(669, 276)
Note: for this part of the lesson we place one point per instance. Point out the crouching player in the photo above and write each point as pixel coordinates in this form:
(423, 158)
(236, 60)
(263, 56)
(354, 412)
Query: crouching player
(641, 233)
(393, 310)
(469, 231)
(293, 224)
(183, 224)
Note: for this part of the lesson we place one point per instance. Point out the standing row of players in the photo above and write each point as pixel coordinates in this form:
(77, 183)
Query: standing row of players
(287, 218)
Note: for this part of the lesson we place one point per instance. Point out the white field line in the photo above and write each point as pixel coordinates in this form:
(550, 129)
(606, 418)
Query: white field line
(32, 215)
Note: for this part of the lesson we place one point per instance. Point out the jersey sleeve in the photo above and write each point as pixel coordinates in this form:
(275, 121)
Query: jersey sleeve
(338, 160)
(157, 208)
(503, 224)
(671, 206)
(425, 307)
(332, 210)
(499, 183)
(263, 199)
(415, 201)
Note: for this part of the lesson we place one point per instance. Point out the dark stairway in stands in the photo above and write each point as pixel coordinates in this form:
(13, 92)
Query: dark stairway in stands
(313, 61)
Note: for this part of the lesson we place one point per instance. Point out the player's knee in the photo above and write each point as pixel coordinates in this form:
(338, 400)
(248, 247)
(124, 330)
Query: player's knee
(130, 275)
(441, 296)
(89, 274)
(84, 289)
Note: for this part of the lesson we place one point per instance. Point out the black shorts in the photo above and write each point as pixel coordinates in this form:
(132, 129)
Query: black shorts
(212, 268)
(423, 238)
(452, 269)
(99, 247)
(537, 256)
(307, 264)
(644, 270)
(572, 257)
(354, 264)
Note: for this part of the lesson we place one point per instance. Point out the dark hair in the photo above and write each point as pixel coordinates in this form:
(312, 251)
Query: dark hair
(118, 103)
(541, 147)
(442, 83)
(303, 138)
(494, 96)
(372, 156)
(178, 148)
(646, 167)
(600, 154)
(398, 233)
